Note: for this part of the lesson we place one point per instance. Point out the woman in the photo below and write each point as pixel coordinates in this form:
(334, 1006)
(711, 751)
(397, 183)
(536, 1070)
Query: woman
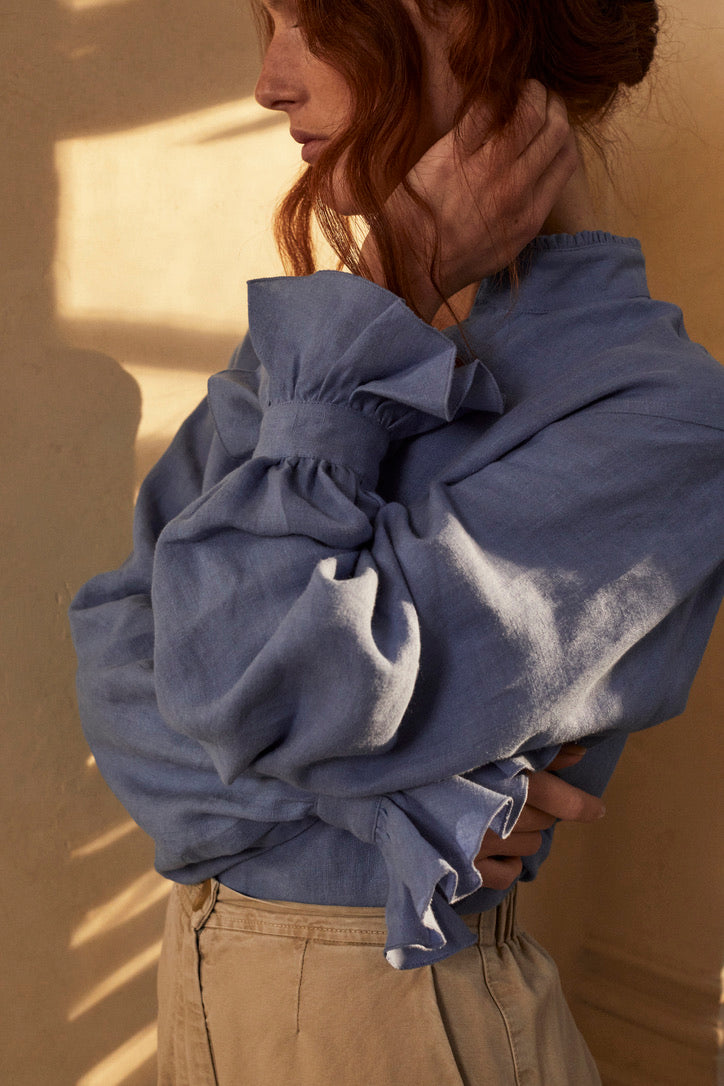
(385, 579)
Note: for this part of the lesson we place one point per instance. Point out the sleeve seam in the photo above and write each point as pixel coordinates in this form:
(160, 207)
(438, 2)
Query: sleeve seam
(658, 415)
(378, 807)
(311, 458)
(327, 405)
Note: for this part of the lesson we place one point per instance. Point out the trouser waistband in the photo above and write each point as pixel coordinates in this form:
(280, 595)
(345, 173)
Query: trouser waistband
(209, 904)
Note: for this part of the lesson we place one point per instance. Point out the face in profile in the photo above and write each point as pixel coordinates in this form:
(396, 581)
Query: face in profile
(319, 102)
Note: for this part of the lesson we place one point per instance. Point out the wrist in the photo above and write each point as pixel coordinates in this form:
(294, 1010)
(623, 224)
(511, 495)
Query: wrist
(316, 430)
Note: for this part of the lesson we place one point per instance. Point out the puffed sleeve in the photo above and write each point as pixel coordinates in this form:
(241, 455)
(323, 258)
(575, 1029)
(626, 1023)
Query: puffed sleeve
(166, 780)
(399, 666)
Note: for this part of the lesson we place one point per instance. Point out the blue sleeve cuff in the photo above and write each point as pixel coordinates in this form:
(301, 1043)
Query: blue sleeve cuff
(322, 431)
(429, 838)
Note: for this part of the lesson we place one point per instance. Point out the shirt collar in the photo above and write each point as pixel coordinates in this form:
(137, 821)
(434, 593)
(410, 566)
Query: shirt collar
(564, 270)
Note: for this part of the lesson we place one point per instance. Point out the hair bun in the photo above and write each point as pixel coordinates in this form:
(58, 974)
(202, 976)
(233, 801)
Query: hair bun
(640, 24)
(588, 49)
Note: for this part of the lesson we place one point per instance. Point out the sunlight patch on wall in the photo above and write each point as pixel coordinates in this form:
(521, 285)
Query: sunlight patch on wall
(97, 844)
(127, 972)
(168, 396)
(84, 5)
(135, 899)
(165, 223)
(126, 1059)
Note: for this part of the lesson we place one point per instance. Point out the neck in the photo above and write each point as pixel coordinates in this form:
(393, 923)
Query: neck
(572, 212)
(456, 308)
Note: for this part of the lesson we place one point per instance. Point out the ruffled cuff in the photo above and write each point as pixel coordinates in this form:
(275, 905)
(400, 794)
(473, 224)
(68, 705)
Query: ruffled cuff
(346, 367)
(336, 338)
(429, 838)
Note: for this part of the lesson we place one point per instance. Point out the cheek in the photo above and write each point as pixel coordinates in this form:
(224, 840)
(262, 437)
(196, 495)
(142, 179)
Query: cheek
(332, 98)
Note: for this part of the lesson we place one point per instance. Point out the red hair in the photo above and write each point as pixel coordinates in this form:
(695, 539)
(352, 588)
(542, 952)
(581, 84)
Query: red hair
(585, 50)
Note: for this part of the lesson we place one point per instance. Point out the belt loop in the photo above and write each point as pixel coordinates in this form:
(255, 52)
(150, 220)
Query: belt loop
(500, 917)
(203, 899)
(510, 913)
(505, 918)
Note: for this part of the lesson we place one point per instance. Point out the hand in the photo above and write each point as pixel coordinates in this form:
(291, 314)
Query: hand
(549, 798)
(488, 197)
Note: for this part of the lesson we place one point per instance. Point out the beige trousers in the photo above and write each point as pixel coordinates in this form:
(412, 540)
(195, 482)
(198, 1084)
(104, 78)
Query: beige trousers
(262, 993)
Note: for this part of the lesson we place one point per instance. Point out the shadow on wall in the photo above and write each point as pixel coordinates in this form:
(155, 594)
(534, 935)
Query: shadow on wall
(84, 916)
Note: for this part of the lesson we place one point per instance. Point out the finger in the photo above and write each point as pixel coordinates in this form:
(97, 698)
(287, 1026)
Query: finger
(527, 121)
(573, 748)
(555, 176)
(474, 129)
(556, 797)
(544, 166)
(548, 139)
(536, 179)
(546, 189)
(569, 754)
(533, 820)
(519, 844)
(499, 874)
(530, 118)
(533, 135)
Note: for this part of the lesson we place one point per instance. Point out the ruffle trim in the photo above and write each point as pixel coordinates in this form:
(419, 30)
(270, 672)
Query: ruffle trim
(336, 338)
(580, 240)
(235, 409)
(333, 338)
(429, 838)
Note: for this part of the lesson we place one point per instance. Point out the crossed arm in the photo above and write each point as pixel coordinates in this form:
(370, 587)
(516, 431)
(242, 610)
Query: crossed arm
(209, 678)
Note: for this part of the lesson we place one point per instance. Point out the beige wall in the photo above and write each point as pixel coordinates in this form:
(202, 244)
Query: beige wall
(137, 181)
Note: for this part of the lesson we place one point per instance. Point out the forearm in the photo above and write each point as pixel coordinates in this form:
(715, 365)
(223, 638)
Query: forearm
(482, 619)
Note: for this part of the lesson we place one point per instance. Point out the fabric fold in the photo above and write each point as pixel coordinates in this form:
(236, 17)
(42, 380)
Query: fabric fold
(234, 407)
(429, 838)
(283, 634)
(390, 366)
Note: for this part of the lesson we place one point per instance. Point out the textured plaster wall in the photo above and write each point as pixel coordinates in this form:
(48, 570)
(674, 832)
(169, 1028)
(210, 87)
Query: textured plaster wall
(137, 180)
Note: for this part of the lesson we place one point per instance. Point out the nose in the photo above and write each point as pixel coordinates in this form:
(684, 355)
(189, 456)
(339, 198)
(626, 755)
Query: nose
(276, 87)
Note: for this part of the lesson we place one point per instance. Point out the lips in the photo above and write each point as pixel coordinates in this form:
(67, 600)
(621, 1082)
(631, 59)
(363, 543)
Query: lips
(311, 144)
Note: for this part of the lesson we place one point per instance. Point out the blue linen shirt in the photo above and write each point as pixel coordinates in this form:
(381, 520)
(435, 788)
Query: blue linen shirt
(382, 570)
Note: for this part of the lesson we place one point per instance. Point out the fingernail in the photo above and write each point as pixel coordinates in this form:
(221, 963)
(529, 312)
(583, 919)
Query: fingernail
(602, 811)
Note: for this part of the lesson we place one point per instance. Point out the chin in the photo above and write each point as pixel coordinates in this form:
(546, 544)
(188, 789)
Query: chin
(346, 208)
(340, 196)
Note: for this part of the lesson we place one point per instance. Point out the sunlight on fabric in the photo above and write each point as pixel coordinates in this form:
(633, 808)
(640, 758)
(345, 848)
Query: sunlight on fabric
(97, 844)
(165, 223)
(141, 895)
(127, 972)
(126, 1059)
